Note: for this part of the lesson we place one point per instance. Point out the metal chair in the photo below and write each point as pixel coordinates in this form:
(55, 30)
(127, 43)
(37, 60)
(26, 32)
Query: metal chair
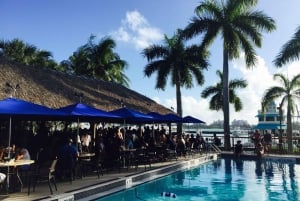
(44, 174)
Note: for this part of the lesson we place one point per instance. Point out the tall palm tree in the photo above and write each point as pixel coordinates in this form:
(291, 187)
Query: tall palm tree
(288, 91)
(216, 93)
(100, 61)
(240, 28)
(178, 61)
(290, 51)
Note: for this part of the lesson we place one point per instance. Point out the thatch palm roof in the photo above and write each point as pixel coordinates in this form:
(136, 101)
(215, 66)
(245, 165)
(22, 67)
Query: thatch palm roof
(56, 89)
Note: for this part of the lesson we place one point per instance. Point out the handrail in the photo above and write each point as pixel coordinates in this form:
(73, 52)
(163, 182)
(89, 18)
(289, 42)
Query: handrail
(215, 148)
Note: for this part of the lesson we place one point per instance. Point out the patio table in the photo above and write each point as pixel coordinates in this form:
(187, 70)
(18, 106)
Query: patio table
(14, 164)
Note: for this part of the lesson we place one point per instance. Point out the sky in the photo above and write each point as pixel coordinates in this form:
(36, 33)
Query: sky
(61, 26)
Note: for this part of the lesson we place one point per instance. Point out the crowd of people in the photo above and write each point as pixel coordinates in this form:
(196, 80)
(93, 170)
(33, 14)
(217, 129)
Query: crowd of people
(262, 143)
(107, 143)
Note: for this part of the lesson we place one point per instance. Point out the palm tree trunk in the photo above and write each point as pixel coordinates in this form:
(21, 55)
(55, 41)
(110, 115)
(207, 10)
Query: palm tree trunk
(289, 128)
(179, 107)
(226, 100)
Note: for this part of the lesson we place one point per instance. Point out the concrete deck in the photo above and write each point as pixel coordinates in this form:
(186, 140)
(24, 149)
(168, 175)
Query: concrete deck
(110, 182)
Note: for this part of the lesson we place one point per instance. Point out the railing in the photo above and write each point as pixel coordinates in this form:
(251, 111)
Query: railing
(214, 148)
(248, 144)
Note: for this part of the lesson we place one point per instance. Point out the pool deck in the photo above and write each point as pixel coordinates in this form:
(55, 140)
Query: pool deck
(113, 181)
(110, 182)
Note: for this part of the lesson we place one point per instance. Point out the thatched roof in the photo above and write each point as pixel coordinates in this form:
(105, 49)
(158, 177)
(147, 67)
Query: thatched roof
(56, 89)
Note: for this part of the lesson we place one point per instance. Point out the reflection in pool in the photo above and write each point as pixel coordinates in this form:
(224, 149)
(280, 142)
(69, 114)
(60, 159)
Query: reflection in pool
(223, 179)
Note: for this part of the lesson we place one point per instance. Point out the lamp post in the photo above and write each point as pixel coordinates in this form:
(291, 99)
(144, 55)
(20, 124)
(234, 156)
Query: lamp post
(79, 95)
(11, 89)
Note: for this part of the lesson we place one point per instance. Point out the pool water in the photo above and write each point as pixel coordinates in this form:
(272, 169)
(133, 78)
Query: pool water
(223, 179)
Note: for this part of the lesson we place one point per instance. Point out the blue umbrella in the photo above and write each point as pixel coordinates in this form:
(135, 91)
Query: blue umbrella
(173, 118)
(158, 118)
(83, 111)
(12, 107)
(132, 116)
(190, 119)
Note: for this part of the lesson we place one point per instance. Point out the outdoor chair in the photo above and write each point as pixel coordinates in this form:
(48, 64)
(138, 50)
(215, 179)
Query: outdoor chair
(41, 174)
(143, 157)
(91, 164)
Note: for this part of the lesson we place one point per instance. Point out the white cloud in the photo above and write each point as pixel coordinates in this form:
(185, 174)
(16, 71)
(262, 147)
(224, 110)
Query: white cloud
(259, 79)
(192, 106)
(135, 29)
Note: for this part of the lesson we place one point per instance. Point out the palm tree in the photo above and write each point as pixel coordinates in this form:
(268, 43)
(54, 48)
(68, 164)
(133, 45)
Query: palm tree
(100, 61)
(216, 93)
(178, 61)
(240, 28)
(290, 51)
(288, 91)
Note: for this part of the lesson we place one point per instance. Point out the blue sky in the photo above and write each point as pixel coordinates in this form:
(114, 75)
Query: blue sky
(61, 26)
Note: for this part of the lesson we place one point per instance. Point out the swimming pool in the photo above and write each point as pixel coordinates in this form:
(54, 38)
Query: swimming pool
(224, 179)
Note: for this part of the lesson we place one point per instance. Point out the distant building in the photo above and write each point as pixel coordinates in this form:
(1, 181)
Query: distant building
(269, 119)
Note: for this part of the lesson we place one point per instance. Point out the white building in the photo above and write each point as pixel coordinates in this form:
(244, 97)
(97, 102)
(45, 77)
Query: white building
(269, 119)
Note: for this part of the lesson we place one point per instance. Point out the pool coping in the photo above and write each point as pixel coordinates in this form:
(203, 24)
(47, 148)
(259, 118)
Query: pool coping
(123, 183)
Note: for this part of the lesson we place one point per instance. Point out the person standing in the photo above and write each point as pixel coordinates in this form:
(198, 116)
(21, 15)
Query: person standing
(85, 142)
(256, 137)
(267, 141)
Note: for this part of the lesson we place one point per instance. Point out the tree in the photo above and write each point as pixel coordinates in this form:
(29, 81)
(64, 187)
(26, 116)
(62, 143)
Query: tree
(29, 55)
(288, 91)
(290, 51)
(240, 28)
(100, 61)
(178, 61)
(216, 93)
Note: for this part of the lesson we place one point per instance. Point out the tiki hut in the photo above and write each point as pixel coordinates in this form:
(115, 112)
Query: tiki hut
(56, 89)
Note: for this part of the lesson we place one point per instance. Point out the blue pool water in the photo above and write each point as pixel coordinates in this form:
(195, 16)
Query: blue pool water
(224, 179)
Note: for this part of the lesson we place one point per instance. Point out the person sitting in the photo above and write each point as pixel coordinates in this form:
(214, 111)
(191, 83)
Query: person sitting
(260, 150)
(22, 154)
(67, 157)
(238, 150)
(216, 140)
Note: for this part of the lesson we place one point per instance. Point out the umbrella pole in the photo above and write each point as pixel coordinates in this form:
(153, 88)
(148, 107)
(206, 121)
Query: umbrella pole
(9, 143)
(77, 137)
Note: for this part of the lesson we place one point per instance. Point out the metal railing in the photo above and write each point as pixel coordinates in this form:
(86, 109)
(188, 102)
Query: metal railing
(248, 144)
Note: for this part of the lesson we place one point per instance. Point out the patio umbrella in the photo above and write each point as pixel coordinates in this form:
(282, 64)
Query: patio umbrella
(173, 118)
(132, 116)
(193, 120)
(17, 108)
(81, 111)
(158, 118)
(190, 119)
